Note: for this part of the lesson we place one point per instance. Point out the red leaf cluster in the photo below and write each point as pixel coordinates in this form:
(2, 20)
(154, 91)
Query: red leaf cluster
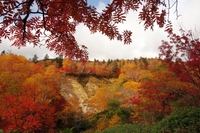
(182, 54)
(23, 113)
(29, 95)
(55, 21)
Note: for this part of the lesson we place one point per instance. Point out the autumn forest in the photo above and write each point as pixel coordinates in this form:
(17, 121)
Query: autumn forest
(70, 94)
(143, 91)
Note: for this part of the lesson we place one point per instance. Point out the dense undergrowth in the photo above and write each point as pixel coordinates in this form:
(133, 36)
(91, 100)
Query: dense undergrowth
(180, 121)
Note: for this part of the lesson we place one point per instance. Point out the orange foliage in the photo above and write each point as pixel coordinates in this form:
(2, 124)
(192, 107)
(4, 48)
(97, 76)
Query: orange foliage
(130, 89)
(147, 86)
(96, 68)
(99, 101)
(102, 123)
(29, 98)
(15, 69)
(115, 120)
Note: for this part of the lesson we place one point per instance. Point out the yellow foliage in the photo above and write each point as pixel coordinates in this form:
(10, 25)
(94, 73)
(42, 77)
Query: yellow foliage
(102, 123)
(130, 89)
(14, 70)
(66, 63)
(115, 120)
(99, 100)
(46, 63)
(131, 86)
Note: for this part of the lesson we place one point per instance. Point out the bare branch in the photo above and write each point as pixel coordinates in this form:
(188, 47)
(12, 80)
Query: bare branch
(43, 17)
(171, 6)
(26, 17)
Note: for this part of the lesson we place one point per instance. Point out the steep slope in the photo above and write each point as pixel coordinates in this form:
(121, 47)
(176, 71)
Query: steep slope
(81, 89)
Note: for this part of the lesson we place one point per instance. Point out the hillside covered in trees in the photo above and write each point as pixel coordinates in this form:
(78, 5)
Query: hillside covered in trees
(75, 95)
(136, 95)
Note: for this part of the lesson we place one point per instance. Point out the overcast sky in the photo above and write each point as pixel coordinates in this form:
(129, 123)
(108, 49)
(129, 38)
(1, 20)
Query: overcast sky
(144, 43)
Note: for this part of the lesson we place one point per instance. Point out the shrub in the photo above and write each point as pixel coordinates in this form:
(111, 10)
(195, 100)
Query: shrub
(180, 121)
(185, 120)
(125, 128)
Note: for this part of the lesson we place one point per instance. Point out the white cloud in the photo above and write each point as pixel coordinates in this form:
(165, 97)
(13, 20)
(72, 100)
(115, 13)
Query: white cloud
(28, 51)
(101, 6)
(144, 43)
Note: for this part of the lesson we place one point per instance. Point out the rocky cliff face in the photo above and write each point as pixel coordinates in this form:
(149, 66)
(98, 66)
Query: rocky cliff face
(80, 89)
